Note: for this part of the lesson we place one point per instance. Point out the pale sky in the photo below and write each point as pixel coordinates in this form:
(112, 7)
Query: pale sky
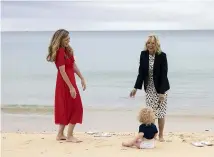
(107, 15)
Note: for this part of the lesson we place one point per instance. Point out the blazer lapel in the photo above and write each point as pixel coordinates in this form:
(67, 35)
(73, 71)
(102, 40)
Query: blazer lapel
(147, 62)
(155, 62)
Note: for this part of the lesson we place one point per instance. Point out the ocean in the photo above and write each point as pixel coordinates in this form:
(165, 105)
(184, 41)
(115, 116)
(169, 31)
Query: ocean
(109, 61)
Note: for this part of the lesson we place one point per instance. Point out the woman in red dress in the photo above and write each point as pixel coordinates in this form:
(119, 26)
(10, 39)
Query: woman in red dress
(68, 104)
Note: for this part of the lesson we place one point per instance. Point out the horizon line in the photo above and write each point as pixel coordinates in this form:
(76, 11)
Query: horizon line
(114, 30)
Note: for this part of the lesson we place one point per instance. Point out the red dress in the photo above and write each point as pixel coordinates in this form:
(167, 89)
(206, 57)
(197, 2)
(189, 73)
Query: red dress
(67, 109)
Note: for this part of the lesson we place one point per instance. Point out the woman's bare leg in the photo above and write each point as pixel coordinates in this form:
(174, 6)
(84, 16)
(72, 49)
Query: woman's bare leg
(70, 137)
(60, 135)
(161, 123)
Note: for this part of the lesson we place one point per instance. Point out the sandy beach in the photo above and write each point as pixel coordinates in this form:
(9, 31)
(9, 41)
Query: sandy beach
(27, 134)
(39, 145)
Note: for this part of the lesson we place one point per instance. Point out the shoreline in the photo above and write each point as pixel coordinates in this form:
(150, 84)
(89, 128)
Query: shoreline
(49, 110)
(51, 113)
(119, 121)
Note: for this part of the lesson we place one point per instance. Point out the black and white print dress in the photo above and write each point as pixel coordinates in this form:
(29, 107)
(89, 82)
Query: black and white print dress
(152, 96)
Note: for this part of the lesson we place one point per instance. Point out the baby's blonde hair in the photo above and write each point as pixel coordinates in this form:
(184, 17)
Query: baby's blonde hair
(146, 116)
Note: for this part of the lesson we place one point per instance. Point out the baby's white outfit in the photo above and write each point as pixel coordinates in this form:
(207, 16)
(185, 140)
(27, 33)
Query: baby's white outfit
(147, 144)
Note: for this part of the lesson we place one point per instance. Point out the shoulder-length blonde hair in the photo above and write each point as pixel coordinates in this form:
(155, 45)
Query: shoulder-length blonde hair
(56, 43)
(146, 116)
(157, 43)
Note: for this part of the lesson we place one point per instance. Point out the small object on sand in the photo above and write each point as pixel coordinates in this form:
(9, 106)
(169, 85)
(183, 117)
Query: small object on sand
(124, 134)
(207, 130)
(113, 133)
(207, 143)
(92, 132)
(197, 144)
(184, 141)
(103, 135)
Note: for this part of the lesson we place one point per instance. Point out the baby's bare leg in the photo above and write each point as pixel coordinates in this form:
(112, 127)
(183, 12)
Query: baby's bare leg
(135, 142)
(127, 144)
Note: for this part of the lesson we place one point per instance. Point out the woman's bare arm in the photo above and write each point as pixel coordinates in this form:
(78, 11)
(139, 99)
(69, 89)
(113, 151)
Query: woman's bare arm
(77, 71)
(65, 76)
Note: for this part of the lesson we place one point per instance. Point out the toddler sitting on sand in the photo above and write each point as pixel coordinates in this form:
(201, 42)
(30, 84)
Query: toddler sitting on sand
(147, 131)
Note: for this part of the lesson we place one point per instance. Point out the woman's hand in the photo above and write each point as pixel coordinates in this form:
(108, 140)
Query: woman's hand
(161, 98)
(133, 93)
(83, 84)
(73, 92)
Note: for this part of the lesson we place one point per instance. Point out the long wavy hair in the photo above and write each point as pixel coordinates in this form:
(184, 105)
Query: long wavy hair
(56, 43)
(157, 43)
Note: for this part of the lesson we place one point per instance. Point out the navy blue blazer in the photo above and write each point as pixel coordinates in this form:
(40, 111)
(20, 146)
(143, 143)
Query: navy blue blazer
(160, 72)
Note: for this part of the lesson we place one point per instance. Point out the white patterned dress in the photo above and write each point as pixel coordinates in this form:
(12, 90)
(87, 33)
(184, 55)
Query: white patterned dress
(152, 96)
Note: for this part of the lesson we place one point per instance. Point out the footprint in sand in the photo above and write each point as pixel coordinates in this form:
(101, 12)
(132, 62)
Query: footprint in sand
(27, 142)
(168, 140)
(181, 136)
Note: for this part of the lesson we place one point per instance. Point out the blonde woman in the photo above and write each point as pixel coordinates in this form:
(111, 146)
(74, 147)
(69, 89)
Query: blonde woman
(68, 104)
(147, 131)
(153, 71)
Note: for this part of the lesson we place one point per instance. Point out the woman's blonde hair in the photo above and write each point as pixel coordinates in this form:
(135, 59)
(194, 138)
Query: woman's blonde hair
(146, 116)
(157, 44)
(55, 44)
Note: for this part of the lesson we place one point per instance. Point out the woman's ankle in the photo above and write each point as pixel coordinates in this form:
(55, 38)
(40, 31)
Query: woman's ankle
(70, 135)
(60, 134)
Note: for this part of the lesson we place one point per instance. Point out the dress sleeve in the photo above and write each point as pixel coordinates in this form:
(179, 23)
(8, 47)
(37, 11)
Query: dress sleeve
(60, 57)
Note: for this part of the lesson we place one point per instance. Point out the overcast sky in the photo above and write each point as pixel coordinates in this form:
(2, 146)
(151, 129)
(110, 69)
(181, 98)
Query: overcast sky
(107, 15)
